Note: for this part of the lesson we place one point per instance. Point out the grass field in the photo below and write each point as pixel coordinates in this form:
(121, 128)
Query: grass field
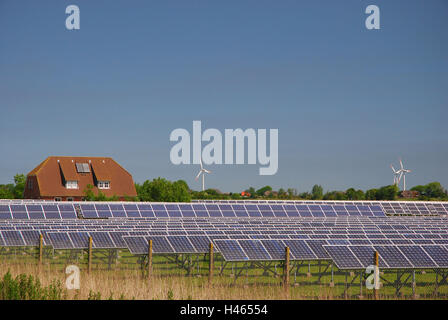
(120, 275)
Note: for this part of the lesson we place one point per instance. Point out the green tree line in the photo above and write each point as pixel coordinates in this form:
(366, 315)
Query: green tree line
(163, 190)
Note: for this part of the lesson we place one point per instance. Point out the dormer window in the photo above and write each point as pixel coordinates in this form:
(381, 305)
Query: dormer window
(72, 184)
(103, 184)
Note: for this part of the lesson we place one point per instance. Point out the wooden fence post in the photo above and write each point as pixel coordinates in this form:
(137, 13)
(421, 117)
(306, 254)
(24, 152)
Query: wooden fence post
(211, 265)
(149, 258)
(286, 270)
(376, 264)
(41, 242)
(90, 256)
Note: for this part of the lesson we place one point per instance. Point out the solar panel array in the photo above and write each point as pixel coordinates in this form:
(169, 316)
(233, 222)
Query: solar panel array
(185, 210)
(345, 232)
(389, 207)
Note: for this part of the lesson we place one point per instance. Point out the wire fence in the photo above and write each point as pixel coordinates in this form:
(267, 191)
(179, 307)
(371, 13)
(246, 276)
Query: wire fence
(307, 279)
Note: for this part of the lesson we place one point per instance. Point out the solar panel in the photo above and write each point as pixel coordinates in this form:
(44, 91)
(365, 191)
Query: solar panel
(254, 250)
(132, 211)
(51, 212)
(60, 240)
(117, 238)
(35, 211)
(88, 211)
(299, 250)
(438, 254)
(101, 240)
(393, 257)
(343, 257)
(417, 257)
(112, 210)
(275, 248)
(80, 240)
(5, 213)
(19, 212)
(31, 237)
(67, 211)
(200, 243)
(160, 244)
(231, 250)
(318, 249)
(136, 245)
(13, 238)
(82, 167)
(181, 244)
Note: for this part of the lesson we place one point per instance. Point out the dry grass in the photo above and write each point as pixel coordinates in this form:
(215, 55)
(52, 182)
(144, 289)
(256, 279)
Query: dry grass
(131, 285)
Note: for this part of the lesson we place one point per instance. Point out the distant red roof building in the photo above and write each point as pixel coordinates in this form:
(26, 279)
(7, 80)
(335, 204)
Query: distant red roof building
(245, 194)
(67, 178)
(410, 194)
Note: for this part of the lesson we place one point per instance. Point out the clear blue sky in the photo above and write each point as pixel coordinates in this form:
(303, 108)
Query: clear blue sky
(347, 101)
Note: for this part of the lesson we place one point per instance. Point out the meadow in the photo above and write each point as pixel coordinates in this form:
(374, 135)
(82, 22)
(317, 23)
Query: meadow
(117, 274)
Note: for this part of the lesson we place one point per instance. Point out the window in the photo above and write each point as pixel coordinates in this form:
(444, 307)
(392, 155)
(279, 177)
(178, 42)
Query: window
(70, 199)
(73, 184)
(103, 184)
(82, 167)
(30, 184)
(57, 199)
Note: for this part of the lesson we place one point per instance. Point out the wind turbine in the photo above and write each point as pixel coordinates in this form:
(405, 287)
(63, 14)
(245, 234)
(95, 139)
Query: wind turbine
(396, 175)
(203, 172)
(403, 172)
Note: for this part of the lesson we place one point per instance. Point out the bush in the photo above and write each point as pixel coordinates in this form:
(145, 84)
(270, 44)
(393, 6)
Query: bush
(25, 287)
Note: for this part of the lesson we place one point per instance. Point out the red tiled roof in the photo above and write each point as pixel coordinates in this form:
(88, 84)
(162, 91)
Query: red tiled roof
(52, 172)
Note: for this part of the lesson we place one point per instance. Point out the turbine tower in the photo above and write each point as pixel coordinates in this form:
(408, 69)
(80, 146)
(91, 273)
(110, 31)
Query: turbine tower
(403, 172)
(203, 172)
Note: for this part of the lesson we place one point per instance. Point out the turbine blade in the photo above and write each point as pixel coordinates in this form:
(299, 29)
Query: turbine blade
(207, 171)
(197, 177)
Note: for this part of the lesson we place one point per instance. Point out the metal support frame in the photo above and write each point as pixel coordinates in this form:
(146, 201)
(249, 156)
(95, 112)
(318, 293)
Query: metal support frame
(437, 284)
(349, 284)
